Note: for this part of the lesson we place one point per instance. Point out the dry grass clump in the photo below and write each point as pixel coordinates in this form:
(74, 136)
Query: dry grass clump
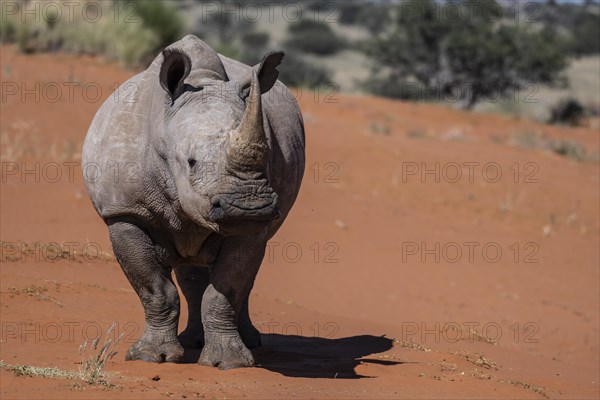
(481, 361)
(92, 365)
(478, 359)
(44, 372)
(93, 361)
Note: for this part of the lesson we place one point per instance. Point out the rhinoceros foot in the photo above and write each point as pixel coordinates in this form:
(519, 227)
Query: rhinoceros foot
(226, 352)
(155, 352)
(194, 339)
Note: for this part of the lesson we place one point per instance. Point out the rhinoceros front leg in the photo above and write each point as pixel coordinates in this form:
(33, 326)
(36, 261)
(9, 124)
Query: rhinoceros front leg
(151, 279)
(193, 281)
(223, 300)
(249, 334)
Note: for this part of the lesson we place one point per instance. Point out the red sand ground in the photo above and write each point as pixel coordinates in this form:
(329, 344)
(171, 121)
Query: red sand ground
(330, 314)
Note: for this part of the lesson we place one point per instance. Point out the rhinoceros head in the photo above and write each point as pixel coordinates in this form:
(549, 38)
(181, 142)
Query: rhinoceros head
(217, 147)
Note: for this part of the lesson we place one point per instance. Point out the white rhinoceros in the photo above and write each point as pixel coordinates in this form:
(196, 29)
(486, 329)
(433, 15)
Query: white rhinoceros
(195, 173)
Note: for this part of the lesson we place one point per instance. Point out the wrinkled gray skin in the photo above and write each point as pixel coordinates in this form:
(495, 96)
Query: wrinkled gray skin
(193, 170)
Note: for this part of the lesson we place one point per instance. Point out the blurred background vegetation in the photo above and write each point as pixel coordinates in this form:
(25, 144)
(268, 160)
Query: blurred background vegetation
(531, 59)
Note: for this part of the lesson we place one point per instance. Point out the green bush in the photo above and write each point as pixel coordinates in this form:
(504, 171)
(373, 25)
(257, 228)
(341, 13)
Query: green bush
(586, 34)
(581, 23)
(294, 71)
(7, 29)
(570, 149)
(373, 17)
(161, 18)
(156, 24)
(568, 111)
(221, 27)
(398, 88)
(314, 37)
(466, 60)
(320, 5)
(228, 50)
(254, 47)
(350, 12)
(139, 46)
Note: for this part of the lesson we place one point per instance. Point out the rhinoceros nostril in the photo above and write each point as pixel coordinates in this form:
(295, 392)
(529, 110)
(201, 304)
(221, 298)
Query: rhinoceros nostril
(191, 162)
(216, 203)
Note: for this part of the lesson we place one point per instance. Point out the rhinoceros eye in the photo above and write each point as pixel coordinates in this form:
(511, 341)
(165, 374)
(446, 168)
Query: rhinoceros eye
(191, 162)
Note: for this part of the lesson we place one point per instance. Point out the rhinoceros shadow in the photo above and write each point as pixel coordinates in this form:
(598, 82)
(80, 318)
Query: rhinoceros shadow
(315, 357)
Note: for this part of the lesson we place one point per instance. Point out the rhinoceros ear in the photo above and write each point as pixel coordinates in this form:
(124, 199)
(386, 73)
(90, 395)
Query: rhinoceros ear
(266, 72)
(175, 68)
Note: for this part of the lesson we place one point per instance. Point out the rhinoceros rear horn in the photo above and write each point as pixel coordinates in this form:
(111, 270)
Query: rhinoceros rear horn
(175, 68)
(248, 148)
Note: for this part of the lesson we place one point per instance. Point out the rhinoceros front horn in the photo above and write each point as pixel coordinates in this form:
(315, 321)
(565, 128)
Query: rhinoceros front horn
(248, 149)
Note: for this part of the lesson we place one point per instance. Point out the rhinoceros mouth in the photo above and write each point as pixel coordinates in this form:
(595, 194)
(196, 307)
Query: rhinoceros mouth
(250, 201)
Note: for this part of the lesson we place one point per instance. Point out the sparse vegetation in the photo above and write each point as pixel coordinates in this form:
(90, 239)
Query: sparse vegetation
(570, 149)
(254, 47)
(221, 27)
(314, 37)
(580, 23)
(448, 367)
(481, 361)
(295, 71)
(411, 345)
(130, 31)
(430, 55)
(93, 363)
(382, 126)
(479, 374)
(44, 372)
(537, 389)
(568, 111)
(39, 292)
(528, 139)
(566, 148)
(586, 34)
(374, 18)
(416, 134)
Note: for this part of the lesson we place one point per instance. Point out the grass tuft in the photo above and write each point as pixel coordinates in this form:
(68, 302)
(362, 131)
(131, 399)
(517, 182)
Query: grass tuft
(94, 360)
(91, 370)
